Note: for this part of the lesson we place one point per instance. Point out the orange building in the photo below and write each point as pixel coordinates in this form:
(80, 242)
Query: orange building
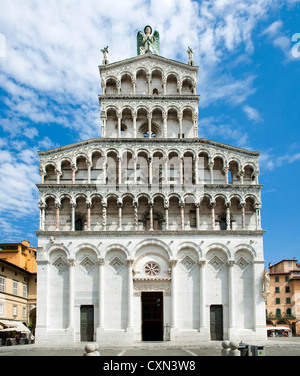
(18, 277)
(283, 302)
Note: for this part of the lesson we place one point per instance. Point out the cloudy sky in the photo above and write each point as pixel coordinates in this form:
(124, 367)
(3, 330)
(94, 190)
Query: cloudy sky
(248, 53)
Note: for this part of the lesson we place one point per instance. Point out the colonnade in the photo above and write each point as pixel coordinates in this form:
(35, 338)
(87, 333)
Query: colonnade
(202, 265)
(186, 214)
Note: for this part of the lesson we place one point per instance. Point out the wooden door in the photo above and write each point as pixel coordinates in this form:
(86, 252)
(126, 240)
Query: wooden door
(152, 316)
(87, 323)
(216, 322)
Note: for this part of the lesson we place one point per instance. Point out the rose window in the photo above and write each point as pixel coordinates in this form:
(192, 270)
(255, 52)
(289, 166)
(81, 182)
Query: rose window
(151, 269)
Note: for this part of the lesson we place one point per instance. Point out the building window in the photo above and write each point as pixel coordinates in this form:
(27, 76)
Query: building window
(288, 300)
(15, 287)
(15, 311)
(277, 300)
(287, 278)
(276, 279)
(278, 312)
(277, 290)
(151, 269)
(288, 311)
(2, 283)
(1, 309)
(24, 312)
(24, 290)
(287, 289)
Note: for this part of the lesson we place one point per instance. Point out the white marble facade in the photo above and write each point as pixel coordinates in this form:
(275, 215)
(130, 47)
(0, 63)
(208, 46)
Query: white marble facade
(149, 208)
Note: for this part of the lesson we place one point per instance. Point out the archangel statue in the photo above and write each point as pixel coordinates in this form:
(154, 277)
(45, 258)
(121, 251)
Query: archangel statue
(105, 53)
(148, 42)
(266, 281)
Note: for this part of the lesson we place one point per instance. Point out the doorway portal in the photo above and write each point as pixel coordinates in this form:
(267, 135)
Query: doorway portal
(87, 323)
(152, 316)
(216, 322)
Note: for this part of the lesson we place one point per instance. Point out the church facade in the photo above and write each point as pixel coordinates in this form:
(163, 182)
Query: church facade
(149, 233)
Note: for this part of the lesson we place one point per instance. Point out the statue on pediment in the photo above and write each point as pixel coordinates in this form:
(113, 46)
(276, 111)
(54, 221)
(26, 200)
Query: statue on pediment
(147, 42)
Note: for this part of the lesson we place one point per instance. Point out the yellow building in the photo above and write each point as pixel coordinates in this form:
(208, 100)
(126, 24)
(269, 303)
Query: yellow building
(17, 284)
(283, 302)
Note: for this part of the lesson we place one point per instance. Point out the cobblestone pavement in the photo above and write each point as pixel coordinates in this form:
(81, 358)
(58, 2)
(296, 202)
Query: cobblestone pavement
(273, 347)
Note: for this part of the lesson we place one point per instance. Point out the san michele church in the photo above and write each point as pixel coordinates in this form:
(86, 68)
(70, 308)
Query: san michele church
(149, 233)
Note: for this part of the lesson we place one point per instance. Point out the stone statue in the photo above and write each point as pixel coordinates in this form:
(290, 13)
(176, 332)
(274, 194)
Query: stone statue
(148, 42)
(105, 53)
(266, 281)
(191, 54)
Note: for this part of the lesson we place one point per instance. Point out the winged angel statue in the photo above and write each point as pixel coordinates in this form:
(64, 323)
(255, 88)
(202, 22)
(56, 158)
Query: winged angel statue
(148, 42)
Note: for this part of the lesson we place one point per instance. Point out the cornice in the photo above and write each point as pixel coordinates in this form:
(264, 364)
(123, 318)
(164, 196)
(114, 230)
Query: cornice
(145, 141)
(162, 59)
(151, 234)
(148, 97)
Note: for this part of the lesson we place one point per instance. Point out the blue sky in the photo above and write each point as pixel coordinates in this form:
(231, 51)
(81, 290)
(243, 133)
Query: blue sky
(249, 78)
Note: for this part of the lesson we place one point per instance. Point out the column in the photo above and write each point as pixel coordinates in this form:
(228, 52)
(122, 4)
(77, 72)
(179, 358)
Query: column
(134, 116)
(257, 208)
(149, 83)
(165, 123)
(173, 295)
(166, 170)
(181, 215)
(166, 206)
(129, 295)
(211, 170)
(118, 85)
(225, 172)
(134, 169)
(228, 227)
(88, 215)
(42, 207)
(103, 119)
(135, 215)
(74, 169)
(150, 169)
(181, 170)
(73, 206)
(195, 121)
(149, 117)
(119, 115)
(180, 124)
(58, 175)
(151, 216)
(164, 84)
(57, 206)
(179, 85)
(104, 218)
(231, 316)
(241, 175)
(89, 166)
(101, 263)
(120, 205)
(202, 294)
(71, 264)
(104, 163)
(242, 206)
(119, 170)
(43, 174)
(212, 206)
(197, 204)
(196, 170)
(134, 86)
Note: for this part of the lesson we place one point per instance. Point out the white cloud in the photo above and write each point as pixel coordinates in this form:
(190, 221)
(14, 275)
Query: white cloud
(216, 128)
(252, 113)
(277, 37)
(269, 161)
